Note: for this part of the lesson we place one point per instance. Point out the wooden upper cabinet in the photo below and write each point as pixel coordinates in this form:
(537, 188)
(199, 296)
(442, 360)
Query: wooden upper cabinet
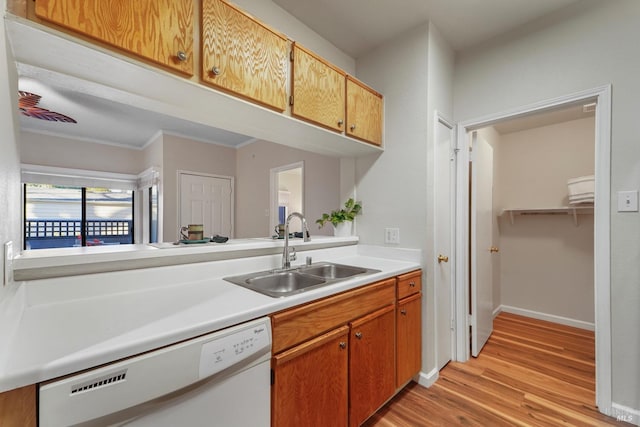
(318, 90)
(157, 30)
(243, 56)
(364, 112)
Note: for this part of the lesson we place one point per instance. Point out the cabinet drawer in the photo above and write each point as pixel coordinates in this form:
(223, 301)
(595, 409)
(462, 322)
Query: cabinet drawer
(409, 284)
(301, 323)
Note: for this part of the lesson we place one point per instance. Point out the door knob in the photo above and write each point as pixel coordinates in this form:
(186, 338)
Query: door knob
(493, 249)
(442, 258)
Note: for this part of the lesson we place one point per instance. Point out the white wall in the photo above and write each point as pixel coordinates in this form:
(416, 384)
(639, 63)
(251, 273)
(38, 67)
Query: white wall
(414, 73)
(180, 153)
(10, 224)
(49, 150)
(546, 261)
(254, 164)
(587, 45)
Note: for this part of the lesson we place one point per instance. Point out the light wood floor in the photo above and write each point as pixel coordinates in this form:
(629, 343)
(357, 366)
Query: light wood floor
(530, 373)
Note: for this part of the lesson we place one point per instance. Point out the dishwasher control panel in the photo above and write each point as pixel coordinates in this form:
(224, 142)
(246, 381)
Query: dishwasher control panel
(225, 351)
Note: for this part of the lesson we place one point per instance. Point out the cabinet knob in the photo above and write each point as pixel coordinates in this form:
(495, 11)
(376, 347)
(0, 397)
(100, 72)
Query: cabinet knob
(343, 345)
(403, 312)
(359, 335)
(353, 127)
(412, 284)
(181, 55)
(340, 123)
(215, 71)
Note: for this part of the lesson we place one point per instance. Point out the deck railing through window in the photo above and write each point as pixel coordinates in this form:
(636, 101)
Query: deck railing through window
(58, 233)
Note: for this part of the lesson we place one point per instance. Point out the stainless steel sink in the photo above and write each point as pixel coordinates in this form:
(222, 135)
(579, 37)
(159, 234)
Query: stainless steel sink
(284, 283)
(279, 283)
(332, 271)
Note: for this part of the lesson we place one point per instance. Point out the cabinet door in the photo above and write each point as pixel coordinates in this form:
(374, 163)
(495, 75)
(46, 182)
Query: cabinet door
(371, 364)
(409, 339)
(18, 407)
(364, 112)
(310, 382)
(157, 30)
(318, 90)
(243, 56)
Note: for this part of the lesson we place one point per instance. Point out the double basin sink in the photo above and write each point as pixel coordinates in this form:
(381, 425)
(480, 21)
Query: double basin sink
(280, 283)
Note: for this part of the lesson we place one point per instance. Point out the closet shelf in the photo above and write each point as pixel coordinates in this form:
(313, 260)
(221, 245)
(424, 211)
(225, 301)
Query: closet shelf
(573, 211)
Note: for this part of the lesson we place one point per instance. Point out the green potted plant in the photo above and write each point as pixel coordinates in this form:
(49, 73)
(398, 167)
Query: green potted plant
(342, 220)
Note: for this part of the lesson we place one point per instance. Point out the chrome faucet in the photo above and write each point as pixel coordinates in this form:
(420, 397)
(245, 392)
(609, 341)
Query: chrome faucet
(287, 256)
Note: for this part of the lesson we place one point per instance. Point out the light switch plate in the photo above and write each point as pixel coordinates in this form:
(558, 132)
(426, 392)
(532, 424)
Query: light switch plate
(628, 201)
(392, 236)
(8, 262)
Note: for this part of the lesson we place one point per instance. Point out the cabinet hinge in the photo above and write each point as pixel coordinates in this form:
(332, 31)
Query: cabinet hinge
(273, 377)
(470, 320)
(291, 100)
(291, 55)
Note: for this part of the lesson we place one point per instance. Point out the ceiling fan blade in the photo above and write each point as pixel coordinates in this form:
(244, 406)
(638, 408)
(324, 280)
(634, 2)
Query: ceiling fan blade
(28, 99)
(43, 114)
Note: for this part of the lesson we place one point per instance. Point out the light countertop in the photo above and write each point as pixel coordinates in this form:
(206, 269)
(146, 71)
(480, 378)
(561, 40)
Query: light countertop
(57, 326)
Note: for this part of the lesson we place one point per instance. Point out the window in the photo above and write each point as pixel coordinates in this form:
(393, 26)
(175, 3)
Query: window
(67, 207)
(57, 216)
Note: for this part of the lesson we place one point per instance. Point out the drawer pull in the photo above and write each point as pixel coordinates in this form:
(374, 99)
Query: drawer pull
(359, 335)
(343, 345)
(412, 284)
(403, 312)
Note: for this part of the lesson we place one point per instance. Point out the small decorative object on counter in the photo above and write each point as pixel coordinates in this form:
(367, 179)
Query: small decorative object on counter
(342, 220)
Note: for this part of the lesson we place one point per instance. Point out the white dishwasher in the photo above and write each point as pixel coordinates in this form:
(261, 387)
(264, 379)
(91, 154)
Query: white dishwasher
(220, 379)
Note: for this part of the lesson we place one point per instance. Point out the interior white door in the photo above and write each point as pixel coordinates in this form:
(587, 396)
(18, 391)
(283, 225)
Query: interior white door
(207, 200)
(443, 264)
(481, 243)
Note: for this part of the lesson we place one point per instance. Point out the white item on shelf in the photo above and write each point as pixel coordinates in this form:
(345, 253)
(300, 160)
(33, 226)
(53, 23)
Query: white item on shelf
(581, 185)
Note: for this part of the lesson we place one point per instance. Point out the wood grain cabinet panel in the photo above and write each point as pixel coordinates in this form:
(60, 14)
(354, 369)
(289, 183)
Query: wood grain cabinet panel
(18, 407)
(409, 284)
(243, 56)
(364, 112)
(371, 363)
(158, 30)
(310, 382)
(293, 326)
(318, 90)
(408, 338)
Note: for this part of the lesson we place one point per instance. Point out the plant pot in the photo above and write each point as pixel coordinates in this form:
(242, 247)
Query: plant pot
(343, 229)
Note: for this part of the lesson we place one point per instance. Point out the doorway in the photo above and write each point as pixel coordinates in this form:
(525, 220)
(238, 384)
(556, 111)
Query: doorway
(287, 194)
(207, 200)
(602, 97)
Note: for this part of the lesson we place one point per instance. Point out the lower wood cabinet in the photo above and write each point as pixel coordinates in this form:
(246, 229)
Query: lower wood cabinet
(409, 342)
(18, 407)
(336, 360)
(371, 363)
(310, 382)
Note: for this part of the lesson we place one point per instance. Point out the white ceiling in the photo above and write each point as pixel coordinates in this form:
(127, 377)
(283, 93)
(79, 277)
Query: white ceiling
(357, 26)
(354, 26)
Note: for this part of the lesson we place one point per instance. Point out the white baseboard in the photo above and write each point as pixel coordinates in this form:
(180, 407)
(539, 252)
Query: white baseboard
(544, 316)
(623, 413)
(427, 379)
